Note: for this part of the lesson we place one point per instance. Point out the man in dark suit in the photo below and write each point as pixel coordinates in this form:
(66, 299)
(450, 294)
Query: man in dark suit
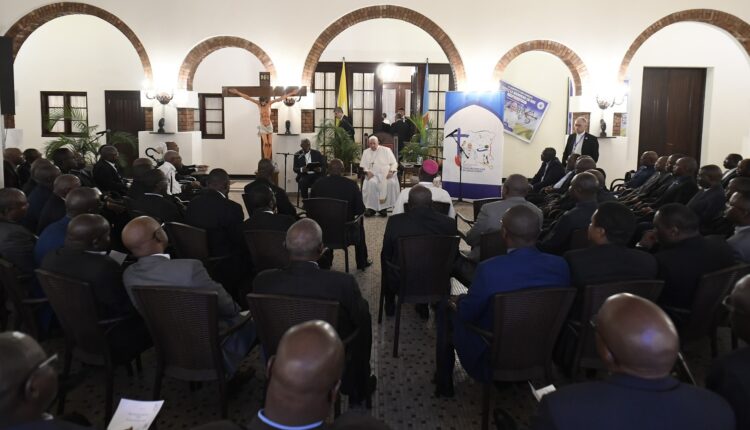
(24, 169)
(154, 201)
(645, 170)
(419, 221)
(583, 189)
(708, 203)
(263, 178)
(12, 158)
(107, 172)
(729, 375)
(581, 142)
(335, 186)
(344, 121)
(264, 215)
(84, 257)
(54, 209)
(639, 345)
(44, 176)
(730, 163)
(302, 158)
(147, 241)
(549, 172)
(609, 259)
(660, 168)
(682, 188)
(402, 128)
(304, 278)
(16, 241)
(738, 214)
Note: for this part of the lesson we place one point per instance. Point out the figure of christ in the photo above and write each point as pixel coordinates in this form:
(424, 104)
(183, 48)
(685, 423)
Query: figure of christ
(265, 129)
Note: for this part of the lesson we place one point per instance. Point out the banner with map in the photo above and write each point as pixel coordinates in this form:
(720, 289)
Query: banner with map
(523, 112)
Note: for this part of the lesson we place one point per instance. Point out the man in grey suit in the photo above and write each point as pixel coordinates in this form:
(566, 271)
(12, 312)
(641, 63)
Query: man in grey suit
(147, 240)
(738, 213)
(16, 241)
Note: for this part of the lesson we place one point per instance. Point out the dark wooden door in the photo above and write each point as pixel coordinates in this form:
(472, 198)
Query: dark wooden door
(123, 111)
(672, 111)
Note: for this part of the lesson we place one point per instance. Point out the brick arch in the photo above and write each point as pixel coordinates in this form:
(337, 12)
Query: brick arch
(202, 50)
(574, 63)
(22, 29)
(733, 25)
(384, 11)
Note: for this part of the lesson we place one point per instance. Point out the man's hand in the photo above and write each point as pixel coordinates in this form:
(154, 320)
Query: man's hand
(389, 175)
(648, 240)
(369, 175)
(547, 189)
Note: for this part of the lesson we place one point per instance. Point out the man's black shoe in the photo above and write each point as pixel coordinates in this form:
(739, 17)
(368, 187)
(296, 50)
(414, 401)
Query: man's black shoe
(356, 401)
(383, 213)
(423, 311)
(445, 390)
(369, 212)
(367, 264)
(390, 307)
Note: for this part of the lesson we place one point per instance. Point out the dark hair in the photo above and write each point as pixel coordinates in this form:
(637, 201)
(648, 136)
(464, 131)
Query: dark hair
(679, 216)
(617, 221)
(260, 197)
(217, 177)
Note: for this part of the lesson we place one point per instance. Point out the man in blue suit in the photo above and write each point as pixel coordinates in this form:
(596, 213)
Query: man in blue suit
(638, 343)
(523, 267)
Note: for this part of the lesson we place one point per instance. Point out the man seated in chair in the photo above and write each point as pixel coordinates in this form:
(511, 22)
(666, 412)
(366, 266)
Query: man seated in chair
(155, 201)
(524, 266)
(639, 345)
(264, 178)
(303, 278)
(583, 189)
(302, 158)
(738, 213)
(16, 241)
(427, 174)
(421, 220)
(147, 241)
(380, 188)
(263, 213)
(336, 186)
(54, 209)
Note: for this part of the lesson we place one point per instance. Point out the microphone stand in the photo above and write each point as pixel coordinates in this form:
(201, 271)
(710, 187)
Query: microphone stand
(285, 154)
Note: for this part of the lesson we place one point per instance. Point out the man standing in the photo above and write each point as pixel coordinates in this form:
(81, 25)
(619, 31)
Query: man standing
(306, 176)
(344, 121)
(402, 128)
(581, 142)
(550, 171)
(380, 188)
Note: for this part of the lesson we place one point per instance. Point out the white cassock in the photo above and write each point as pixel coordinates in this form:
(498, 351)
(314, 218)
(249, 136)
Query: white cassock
(378, 192)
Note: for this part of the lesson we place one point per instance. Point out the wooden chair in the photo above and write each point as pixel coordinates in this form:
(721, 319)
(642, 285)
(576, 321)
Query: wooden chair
(86, 336)
(425, 264)
(332, 216)
(491, 244)
(184, 327)
(192, 242)
(525, 328)
(477, 207)
(25, 308)
(267, 249)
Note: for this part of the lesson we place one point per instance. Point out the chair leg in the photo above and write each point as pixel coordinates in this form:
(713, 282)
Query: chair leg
(346, 258)
(735, 342)
(109, 392)
(398, 326)
(223, 396)
(486, 392)
(64, 386)
(685, 368)
(129, 369)
(382, 301)
(337, 406)
(139, 364)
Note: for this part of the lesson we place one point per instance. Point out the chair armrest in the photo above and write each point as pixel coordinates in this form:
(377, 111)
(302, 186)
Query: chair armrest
(351, 337)
(355, 220)
(223, 336)
(32, 302)
(676, 311)
(464, 219)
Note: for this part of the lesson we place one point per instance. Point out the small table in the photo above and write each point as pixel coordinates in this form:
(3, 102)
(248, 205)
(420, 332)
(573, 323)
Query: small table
(409, 169)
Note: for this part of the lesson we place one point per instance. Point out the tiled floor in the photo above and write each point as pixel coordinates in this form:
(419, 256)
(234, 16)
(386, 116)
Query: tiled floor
(404, 398)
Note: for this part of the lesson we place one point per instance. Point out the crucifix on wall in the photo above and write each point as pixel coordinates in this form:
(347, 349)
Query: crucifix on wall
(261, 96)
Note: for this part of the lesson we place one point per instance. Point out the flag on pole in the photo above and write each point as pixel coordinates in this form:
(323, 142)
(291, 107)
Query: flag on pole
(342, 101)
(426, 94)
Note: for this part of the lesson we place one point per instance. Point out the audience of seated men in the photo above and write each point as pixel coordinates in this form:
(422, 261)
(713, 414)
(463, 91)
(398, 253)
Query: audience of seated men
(583, 190)
(683, 255)
(12, 158)
(82, 200)
(650, 191)
(304, 278)
(147, 241)
(645, 170)
(660, 169)
(524, 266)
(639, 345)
(155, 201)
(264, 216)
(16, 241)
(24, 169)
(44, 176)
(549, 172)
(54, 209)
(421, 220)
(336, 186)
(738, 214)
(681, 189)
(559, 187)
(302, 158)
(729, 375)
(427, 174)
(28, 385)
(557, 203)
(108, 173)
(84, 257)
(264, 178)
(730, 164)
(608, 259)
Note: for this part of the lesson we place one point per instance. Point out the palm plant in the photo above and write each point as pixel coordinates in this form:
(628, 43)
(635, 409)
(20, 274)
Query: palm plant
(334, 142)
(426, 137)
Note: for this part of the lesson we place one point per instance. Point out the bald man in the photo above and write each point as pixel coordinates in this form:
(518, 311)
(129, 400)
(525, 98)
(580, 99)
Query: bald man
(12, 158)
(172, 159)
(645, 170)
(303, 278)
(147, 241)
(638, 343)
(264, 178)
(738, 213)
(524, 266)
(54, 209)
(584, 190)
(708, 203)
(107, 172)
(581, 142)
(44, 176)
(16, 241)
(729, 376)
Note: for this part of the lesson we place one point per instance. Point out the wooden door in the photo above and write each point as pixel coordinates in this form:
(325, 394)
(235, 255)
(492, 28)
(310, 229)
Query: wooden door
(123, 112)
(672, 111)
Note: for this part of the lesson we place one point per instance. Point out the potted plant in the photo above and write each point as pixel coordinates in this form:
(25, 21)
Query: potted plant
(429, 139)
(334, 142)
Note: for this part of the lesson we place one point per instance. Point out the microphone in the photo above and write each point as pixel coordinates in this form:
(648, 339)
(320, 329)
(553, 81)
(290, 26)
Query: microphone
(99, 133)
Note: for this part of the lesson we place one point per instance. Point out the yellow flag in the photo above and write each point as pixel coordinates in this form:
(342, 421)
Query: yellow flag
(342, 101)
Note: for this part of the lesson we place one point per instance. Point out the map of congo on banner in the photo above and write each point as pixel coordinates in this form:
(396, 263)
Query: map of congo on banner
(479, 155)
(523, 112)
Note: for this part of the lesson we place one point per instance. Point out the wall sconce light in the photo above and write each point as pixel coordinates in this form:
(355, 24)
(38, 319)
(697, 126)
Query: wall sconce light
(163, 98)
(605, 103)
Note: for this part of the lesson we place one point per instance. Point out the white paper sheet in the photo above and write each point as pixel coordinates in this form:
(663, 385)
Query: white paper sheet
(134, 415)
(538, 394)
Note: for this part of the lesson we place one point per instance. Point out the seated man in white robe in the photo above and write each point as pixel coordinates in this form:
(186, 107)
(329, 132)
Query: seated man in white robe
(427, 174)
(380, 188)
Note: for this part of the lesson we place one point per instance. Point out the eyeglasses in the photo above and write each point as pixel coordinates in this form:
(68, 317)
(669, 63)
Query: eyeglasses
(45, 363)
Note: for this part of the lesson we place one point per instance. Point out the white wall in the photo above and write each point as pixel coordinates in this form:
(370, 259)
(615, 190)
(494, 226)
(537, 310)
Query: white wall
(72, 53)
(727, 102)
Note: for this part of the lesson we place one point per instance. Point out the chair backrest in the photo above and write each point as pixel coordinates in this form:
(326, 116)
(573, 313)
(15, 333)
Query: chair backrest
(712, 289)
(75, 307)
(491, 244)
(275, 314)
(188, 241)
(16, 292)
(579, 239)
(478, 203)
(425, 264)
(267, 249)
(526, 326)
(440, 207)
(248, 203)
(331, 215)
(184, 328)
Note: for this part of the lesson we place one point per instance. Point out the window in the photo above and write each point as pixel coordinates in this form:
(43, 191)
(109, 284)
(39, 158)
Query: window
(325, 97)
(64, 113)
(439, 84)
(363, 104)
(209, 117)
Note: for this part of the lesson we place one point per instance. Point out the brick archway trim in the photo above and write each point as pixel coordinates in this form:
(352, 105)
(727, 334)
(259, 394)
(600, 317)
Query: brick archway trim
(733, 25)
(205, 48)
(22, 29)
(384, 11)
(574, 63)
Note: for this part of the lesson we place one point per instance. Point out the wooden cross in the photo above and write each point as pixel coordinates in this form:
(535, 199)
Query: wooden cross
(265, 89)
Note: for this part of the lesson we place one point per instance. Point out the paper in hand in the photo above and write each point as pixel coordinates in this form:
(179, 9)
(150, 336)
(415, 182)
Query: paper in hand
(135, 415)
(538, 394)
